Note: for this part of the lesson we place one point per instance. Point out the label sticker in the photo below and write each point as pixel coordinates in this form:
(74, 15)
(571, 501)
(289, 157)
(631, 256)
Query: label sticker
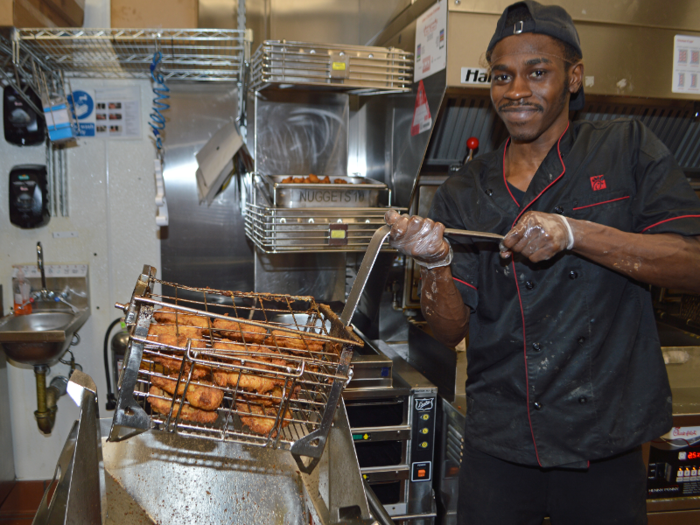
(422, 120)
(686, 64)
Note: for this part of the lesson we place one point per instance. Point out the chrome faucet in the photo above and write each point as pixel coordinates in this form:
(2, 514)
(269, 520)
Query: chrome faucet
(40, 264)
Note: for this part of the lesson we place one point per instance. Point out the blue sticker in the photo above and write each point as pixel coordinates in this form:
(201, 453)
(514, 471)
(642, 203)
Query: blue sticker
(82, 106)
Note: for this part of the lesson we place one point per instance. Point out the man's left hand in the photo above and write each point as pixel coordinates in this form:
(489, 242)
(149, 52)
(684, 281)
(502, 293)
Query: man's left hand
(538, 236)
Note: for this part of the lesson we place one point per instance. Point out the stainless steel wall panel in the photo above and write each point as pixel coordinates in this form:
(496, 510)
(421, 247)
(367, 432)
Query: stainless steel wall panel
(203, 245)
(409, 150)
(320, 275)
(297, 133)
(7, 459)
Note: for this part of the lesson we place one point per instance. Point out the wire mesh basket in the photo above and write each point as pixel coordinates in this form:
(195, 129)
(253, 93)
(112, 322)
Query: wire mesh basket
(261, 369)
(360, 68)
(188, 54)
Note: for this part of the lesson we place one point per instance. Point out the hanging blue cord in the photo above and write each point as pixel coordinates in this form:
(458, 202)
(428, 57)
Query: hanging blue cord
(161, 91)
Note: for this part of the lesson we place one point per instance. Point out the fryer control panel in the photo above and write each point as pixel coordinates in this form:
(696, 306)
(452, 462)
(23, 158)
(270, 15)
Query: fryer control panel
(673, 473)
(423, 438)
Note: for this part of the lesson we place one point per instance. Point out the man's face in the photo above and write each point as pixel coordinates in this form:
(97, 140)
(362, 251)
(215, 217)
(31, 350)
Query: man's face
(530, 84)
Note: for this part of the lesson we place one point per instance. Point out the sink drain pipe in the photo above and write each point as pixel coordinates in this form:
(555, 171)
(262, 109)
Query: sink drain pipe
(47, 398)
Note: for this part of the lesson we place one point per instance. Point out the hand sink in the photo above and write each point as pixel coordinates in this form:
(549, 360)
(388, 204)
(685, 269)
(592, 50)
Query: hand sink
(42, 337)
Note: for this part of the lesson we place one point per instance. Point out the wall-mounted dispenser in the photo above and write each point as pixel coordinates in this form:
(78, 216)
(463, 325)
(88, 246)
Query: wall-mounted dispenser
(23, 127)
(29, 196)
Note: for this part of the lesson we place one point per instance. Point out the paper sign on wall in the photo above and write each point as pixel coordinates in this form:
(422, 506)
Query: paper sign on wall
(686, 64)
(431, 52)
(422, 120)
(108, 113)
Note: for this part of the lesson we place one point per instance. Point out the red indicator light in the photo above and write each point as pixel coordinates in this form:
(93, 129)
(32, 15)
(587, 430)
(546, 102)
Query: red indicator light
(421, 473)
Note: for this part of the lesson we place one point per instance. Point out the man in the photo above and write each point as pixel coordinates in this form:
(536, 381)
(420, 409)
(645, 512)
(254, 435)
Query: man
(566, 377)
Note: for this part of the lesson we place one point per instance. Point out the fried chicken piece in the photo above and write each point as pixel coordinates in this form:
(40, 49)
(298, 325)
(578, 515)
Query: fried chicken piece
(173, 364)
(240, 331)
(262, 425)
(199, 396)
(190, 332)
(296, 343)
(313, 179)
(248, 380)
(339, 181)
(298, 180)
(287, 180)
(168, 339)
(168, 315)
(325, 180)
(162, 406)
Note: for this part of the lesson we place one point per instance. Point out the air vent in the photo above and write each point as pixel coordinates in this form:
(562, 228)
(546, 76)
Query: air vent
(466, 117)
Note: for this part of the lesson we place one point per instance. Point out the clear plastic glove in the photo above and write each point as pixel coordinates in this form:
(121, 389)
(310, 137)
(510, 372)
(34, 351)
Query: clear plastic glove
(538, 236)
(419, 238)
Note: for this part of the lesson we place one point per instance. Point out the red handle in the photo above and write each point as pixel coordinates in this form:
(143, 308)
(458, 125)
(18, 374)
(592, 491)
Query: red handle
(472, 143)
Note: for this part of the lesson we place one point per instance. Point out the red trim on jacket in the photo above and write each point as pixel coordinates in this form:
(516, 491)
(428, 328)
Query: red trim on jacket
(517, 286)
(464, 283)
(527, 380)
(672, 219)
(505, 181)
(548, 185)
(599, 203)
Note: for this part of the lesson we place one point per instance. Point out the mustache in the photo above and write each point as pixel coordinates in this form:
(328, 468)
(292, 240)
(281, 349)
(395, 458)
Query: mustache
(517, 105)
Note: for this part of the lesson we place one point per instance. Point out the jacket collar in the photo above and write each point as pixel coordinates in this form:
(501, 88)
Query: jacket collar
(550, 172)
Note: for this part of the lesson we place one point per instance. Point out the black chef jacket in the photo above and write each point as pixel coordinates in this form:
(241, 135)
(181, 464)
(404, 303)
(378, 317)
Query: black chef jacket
(564, 360)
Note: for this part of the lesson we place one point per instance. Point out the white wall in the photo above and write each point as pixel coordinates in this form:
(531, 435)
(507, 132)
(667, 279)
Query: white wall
(111, 197)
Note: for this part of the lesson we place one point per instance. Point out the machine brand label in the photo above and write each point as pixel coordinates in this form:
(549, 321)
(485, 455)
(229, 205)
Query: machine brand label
(475, 76)
(425, 404)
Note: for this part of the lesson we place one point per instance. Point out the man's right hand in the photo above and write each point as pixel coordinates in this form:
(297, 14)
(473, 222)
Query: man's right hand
(418, 238)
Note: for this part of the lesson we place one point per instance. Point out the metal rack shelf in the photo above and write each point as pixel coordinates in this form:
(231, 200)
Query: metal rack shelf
(282, 230)
(188, 54)
(360, 69)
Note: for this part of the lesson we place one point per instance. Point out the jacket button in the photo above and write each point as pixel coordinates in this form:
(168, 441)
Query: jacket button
(582, 400)
(489, 192)
(558, 209)
(529, 285)
(537, 405)
(573, 274)
(581, 340)
(536, 347)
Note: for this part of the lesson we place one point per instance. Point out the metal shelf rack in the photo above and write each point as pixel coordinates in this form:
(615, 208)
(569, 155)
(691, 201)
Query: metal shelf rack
(282, 230)
(356, 69)
(188, 54)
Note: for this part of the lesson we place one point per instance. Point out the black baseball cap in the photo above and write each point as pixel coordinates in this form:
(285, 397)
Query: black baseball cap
(550, 20)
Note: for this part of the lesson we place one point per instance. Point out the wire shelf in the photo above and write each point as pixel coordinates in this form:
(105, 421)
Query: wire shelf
(359, 69)
(282, 230)
(188, 54)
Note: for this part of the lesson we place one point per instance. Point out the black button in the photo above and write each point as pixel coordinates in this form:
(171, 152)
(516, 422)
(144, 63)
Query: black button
(489, 192)
(558, 209)
(581, 340)
(573, 274)
(582, 400)
(529, 285)
(536, 347)
(537, 405)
